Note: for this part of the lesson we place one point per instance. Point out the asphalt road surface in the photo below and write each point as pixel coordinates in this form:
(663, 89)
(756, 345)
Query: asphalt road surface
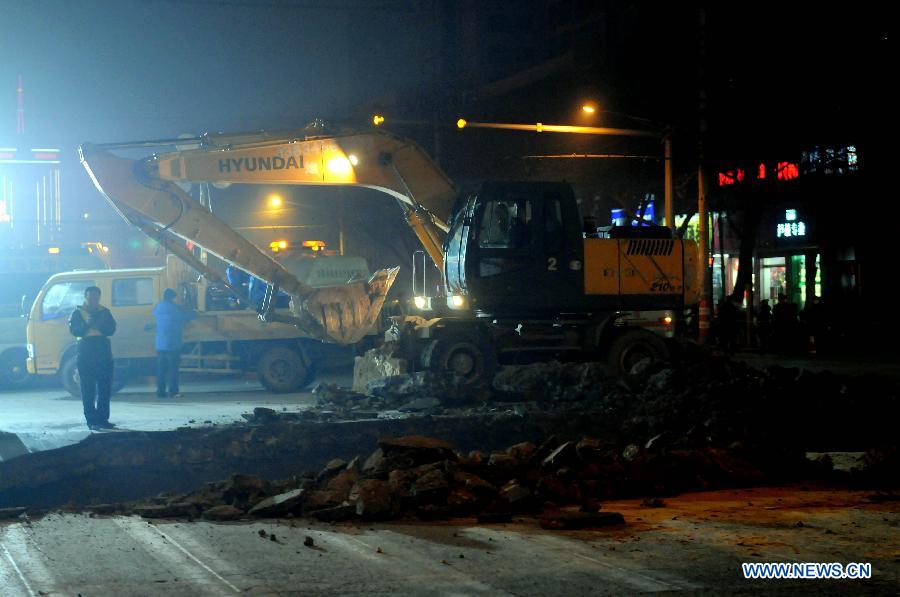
(693, 544)
(48, 418)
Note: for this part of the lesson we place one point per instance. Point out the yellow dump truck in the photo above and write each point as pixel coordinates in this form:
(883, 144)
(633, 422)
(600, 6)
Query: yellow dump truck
(227, 335)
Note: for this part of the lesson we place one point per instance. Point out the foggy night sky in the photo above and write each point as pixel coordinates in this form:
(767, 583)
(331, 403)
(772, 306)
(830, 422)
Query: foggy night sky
(118, 70)
(104, 70)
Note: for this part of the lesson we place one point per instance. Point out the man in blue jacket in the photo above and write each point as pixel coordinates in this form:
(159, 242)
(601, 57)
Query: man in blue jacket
(170, 320)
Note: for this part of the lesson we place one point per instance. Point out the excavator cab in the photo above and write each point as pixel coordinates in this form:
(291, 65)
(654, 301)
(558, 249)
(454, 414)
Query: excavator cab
(515, 248)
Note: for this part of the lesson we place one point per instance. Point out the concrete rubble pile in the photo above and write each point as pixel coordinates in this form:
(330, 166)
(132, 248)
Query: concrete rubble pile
(697, 422)
(562, 483)
(693, 401)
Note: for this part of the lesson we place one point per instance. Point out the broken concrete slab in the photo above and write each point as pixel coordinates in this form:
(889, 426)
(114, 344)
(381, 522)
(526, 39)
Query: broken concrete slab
(373, 499)
(279, 505)
(222, 513)
(175, 510)
(377, 363)
(561, 456)
(335, 514)
(11, 446)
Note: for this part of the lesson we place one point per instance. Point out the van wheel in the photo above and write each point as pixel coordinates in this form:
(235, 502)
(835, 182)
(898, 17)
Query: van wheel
(14, 369)
(283, 369)
(68, 376)
(633, 347)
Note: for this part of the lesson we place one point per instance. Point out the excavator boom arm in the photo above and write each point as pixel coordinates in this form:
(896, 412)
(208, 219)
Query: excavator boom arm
(375, 160)
(145, 193)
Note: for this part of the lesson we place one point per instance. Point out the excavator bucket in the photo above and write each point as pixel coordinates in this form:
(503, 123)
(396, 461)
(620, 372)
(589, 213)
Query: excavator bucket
(347, 313)
(343, 314)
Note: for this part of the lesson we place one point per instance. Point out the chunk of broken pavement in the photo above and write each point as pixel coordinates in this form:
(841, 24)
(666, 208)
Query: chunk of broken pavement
(373, 499)
(425, 403)
(342, 483)
(517, 497)
(263, 414)
(561, 456)
(430, 487)
(544, 450)
(243, 490)
(522, 451)
(588, 449)
(417, 449)
(332, 468)
(335, 514)
(475, 484)
(175, 510)
(225, 512)
(279, 505)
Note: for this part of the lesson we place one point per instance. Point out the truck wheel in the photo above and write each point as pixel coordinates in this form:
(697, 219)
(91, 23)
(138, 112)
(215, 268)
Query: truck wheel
(282, 369)
(68, 376)
(14, 370)
(634, 346)
(467, 356)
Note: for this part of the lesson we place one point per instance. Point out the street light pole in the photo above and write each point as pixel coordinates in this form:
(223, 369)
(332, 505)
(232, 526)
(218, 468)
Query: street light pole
(704, 310)
(667, 152)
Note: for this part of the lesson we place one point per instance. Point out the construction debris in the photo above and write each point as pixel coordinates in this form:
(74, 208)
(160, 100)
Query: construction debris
(411, 476)
(575, 437)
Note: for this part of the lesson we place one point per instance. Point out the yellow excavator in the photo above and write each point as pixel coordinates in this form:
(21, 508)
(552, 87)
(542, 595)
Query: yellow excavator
(521, 276)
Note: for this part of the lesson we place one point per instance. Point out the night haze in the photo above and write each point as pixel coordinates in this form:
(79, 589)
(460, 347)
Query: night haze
(446, 297)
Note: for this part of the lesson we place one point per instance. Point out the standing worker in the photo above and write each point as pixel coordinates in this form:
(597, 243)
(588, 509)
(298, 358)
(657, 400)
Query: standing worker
(170, 320)
(92, 324)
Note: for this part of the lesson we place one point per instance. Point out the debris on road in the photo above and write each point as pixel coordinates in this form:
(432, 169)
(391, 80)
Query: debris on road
(545, 437)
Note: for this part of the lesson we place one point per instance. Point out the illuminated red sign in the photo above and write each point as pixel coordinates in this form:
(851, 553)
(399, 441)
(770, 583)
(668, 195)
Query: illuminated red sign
(787, 171)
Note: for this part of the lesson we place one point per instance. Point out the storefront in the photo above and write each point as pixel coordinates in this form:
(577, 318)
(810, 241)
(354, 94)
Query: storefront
(787, 259)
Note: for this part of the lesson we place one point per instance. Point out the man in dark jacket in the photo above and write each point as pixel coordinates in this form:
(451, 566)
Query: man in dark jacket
(170, 320)
(92, 324)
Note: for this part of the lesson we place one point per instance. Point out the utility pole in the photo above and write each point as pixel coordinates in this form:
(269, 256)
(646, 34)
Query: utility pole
(702, 213)
(667, 152)
(703, 266)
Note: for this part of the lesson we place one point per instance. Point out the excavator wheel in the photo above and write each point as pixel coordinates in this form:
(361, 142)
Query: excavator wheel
(468, 356)
(633, 346)
(283, 369)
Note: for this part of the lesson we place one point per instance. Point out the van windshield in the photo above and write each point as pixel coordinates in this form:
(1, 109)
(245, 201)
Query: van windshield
(62, 298)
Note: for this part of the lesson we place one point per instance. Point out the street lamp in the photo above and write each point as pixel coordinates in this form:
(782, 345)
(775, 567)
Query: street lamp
(276, 202)
(588, 108)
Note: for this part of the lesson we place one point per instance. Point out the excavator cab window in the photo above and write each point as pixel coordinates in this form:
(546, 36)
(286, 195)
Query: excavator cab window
(506, 224)
(554, 239)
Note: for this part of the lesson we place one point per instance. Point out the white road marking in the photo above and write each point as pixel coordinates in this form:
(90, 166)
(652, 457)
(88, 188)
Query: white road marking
(195, 559)
(18, 572)
(139, 529)
(629, 575)
(397, 545)
(25, 554)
